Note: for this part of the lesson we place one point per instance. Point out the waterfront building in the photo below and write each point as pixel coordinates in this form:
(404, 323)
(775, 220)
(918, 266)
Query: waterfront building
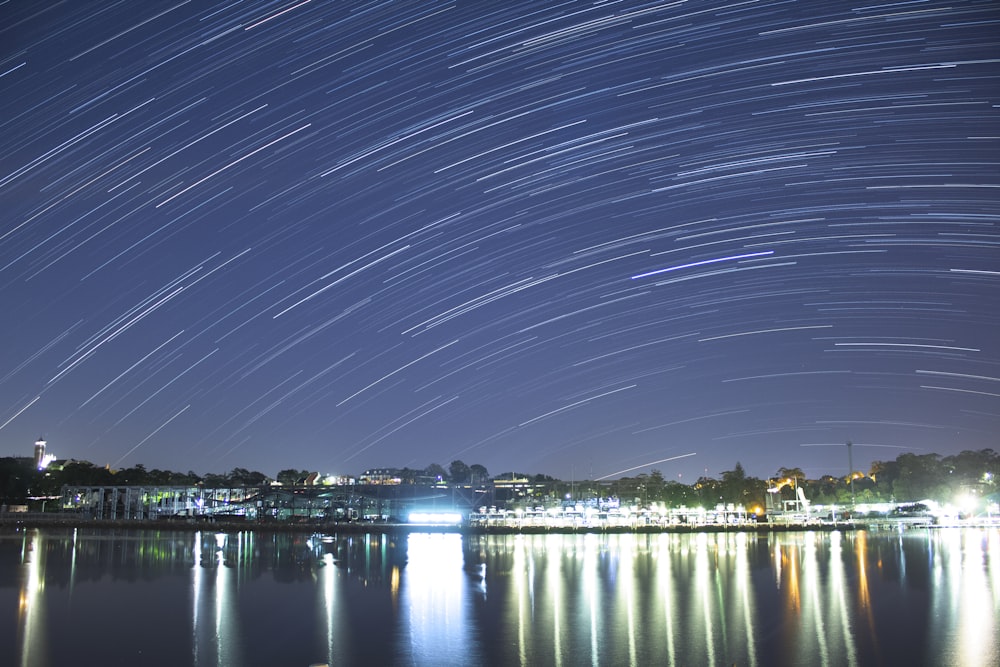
(42, 460)
(368, 502)
(381, 476)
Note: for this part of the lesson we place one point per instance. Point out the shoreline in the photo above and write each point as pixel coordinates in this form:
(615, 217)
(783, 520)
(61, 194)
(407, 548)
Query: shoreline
(361, 528)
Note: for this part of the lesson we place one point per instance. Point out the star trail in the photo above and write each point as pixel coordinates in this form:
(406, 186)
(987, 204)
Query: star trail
(547, 237)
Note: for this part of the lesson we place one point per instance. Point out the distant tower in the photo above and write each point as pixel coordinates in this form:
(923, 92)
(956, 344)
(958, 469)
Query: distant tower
(39, 453)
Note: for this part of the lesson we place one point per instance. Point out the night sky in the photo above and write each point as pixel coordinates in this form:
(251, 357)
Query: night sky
(553, 237)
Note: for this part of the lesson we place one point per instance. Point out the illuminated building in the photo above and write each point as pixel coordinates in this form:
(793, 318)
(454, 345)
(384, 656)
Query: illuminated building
(41, 458)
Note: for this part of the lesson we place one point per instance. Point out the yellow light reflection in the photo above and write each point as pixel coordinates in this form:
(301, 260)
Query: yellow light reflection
(864, 595)
(864, 600)
(790, 561)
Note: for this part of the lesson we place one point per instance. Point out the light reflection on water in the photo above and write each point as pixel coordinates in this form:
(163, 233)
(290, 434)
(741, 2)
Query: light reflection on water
(434, 602)
(247, 599)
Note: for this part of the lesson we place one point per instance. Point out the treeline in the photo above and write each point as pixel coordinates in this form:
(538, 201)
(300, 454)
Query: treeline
(19, 479)
(909, 477)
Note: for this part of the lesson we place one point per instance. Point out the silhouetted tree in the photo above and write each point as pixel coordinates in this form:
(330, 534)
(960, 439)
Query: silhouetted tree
(709, 491)
(793, 474)
(733, 484)
(920, 476)
(827, 490)
(676, 494)
(134, 476)
(436, 471)
(655, 485)
(291, 476)
(974, 471)
(16, 478)
(740, 489)
(885, 474)
(479, 473)
(189, 478)
(215, 481)
(83, 473)
(244, 477)
(459, 472)
(409, 475)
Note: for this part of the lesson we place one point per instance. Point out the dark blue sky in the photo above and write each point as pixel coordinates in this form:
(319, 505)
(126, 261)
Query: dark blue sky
(572, 238)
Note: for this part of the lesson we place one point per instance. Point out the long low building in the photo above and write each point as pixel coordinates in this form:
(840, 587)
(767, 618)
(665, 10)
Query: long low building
(584, 517)
(374, 502)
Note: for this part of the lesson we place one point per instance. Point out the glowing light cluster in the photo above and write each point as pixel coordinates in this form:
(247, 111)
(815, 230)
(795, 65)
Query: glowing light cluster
(436, 518)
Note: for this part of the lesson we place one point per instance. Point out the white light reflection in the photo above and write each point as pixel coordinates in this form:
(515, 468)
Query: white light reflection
(993, 547)
(434, 595)
(665, 571)
(553, 577)
(520, 558)
(224, 644)
(31, 607)
(220, 599)
(626, 584)
(977, 613)
(703, 581)
(196, 600)
(838, 593)
(743, 585)
(777, 566)
(227, 603)
(719, 577)
(946, 568)
(810, 571)
(72, 563)
(328, 601)
(591, 581)
(334, 609)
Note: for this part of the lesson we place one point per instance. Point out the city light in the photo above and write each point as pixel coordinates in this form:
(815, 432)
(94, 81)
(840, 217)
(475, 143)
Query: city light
(436, 518)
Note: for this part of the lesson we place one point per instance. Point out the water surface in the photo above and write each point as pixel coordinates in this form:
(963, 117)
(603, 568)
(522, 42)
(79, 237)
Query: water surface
(142, 597)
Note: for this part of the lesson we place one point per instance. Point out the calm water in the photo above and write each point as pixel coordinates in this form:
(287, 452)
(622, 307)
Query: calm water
(71, 597)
